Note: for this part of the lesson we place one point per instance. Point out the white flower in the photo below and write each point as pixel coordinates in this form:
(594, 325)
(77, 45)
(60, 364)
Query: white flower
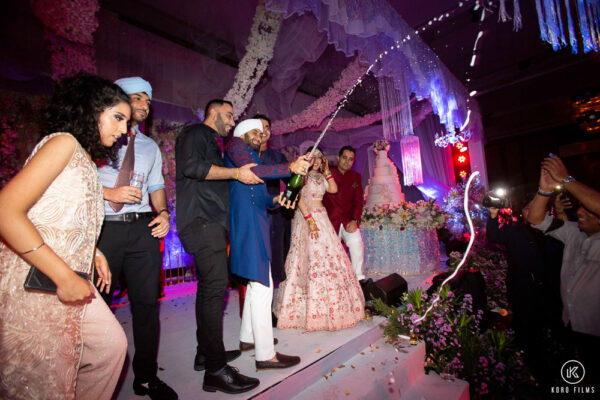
(253, 65)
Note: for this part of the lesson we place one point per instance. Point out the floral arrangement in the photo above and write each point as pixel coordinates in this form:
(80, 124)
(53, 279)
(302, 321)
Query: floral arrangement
(165, 134)
(70, 26)
(453, 205)
(74, 21)
(321, 108)
(493, 265)
(259, 52)
(380, 145)
(69, 58)
(19, 131)
(8, 148)
(454, 344)
(424, 214)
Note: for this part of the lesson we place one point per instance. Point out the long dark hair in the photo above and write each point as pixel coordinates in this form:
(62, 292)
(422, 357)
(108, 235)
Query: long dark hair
(75, 107)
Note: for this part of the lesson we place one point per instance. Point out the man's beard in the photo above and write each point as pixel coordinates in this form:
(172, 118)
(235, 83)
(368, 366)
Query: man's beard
(134, 117)
(248, 141)
(221, 126)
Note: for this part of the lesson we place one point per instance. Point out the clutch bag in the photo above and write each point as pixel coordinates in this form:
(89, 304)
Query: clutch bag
(37, 280)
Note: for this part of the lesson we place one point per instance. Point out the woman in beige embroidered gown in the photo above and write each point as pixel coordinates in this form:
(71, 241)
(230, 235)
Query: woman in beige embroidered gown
(67, 344)
(321, 291)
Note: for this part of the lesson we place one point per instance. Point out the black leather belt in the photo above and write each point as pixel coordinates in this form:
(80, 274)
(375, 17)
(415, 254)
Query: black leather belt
(128, 217)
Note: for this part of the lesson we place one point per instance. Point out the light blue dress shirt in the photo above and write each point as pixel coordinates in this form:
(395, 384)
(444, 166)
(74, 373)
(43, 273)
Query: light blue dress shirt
(148, 160)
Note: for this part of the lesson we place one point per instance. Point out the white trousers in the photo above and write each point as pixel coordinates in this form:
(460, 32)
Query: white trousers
(355, 245)
(257, 326)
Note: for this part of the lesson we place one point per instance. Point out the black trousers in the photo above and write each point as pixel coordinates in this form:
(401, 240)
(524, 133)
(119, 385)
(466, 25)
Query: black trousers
(207, 242)
(130, 248)
(280, 231)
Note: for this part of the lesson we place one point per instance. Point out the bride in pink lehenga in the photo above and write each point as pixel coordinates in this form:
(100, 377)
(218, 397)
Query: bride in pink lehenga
(321, 291)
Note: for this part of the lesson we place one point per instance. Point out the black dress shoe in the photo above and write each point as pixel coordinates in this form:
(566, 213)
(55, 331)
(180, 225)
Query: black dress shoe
(200, 360)
(229, 381)
(283, 361)
(249, 346)
(155, 388)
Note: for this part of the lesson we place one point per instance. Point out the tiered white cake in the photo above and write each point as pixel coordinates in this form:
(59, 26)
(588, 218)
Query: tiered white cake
(384, 186)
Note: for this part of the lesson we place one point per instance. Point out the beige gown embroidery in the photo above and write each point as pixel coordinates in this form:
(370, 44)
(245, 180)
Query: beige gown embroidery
(321, 291)
(40, 337)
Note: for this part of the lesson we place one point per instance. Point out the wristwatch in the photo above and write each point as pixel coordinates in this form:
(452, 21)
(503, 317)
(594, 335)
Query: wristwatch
(568, 179)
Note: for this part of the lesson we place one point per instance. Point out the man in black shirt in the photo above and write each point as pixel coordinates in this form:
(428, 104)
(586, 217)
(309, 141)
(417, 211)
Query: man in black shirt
(532, 290)
(202, 209)
(202, 224)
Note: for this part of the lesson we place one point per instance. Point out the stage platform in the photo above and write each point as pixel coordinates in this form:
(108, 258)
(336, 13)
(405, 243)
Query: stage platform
(354, 363)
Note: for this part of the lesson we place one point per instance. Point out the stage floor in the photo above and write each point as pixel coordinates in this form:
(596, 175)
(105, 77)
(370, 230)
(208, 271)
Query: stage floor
(178, 344)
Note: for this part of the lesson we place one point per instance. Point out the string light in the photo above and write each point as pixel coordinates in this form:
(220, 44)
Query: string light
(344, 101)
(471, 240)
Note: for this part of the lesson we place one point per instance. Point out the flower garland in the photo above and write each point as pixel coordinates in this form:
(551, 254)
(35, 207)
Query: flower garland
(321, 108)
(69, 29)
(341, 124)
(253, 65)
(423, 214)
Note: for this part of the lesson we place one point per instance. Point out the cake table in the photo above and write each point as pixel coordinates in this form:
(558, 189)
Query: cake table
(411, 251)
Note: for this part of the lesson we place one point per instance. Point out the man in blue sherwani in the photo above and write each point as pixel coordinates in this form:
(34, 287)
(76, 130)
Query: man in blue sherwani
(250, 242)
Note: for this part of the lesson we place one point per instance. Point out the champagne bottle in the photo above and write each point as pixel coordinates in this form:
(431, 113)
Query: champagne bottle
(292, 189)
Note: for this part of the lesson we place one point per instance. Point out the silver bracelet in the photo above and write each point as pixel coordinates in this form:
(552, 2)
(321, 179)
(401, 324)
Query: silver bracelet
(98, 253)
(34, 249)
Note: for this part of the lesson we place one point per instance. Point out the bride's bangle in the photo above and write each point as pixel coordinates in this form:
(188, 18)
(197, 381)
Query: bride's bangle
(307, 217)
(98, 253)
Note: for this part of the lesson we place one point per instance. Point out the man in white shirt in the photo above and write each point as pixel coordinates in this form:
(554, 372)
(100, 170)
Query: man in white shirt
(580, 273)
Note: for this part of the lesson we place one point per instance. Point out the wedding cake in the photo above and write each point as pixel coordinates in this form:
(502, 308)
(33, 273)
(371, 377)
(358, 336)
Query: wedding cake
(384, 186)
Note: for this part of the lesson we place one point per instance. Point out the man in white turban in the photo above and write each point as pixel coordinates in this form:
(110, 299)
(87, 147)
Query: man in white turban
(250, 254)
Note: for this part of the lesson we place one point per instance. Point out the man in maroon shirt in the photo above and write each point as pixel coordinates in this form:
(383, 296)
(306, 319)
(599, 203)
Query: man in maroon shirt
(345, 207)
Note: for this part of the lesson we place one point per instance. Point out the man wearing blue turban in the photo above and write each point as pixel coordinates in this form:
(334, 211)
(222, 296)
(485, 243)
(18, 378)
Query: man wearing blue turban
(131, 235)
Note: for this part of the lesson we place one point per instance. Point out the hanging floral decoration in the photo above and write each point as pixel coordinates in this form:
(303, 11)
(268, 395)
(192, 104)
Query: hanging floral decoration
(253, 65)
(69, 30)
(325, 105)
(340, 124)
